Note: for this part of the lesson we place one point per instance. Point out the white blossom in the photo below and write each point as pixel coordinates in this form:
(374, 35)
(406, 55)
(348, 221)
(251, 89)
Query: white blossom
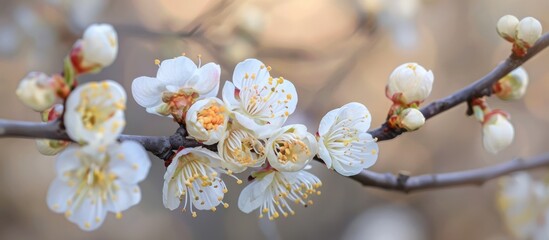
(95, 112)
(497, 133)
(290, 148)
(36, 91)
(240, 148)
(410, 83)
(259, 102)
(529, 31)
(193, 176)
(272, 192)
(206, 120)
(507, 27)
(177, 85)
(523, 202)
(99, 45)
(93, 181)
(411, 119)
(513, 85)
(343, 141)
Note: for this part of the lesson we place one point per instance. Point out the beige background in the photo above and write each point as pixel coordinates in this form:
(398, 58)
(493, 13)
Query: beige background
(334, 52)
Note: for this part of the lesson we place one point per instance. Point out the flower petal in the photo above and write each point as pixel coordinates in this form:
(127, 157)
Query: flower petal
(248, 67)
(176, 71)
(252, 196)
(89, 213)
(125, 197)
(58, 195)
(207, 83)
(147, 91)
(129, 161)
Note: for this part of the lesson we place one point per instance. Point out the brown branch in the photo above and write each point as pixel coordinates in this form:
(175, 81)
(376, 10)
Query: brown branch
(163, 146)
(405, 183)
(482, 87)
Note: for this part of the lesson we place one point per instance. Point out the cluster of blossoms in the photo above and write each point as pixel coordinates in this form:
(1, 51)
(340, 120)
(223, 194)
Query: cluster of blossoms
(247, 126)
(524, 204)
(96, 174)
(523, 34)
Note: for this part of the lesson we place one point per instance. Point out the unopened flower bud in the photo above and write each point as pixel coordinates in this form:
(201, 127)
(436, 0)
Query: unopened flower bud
(507, 27)
(528, 31)
(497, 133)
(411, 119)
(513, 86)
(409, 83)
(50, 147)
(36, 91)
(97, 49)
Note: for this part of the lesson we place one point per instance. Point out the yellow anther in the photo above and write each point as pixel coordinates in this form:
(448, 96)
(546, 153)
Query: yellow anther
(265, 210)
(157, 62)
(239, 181)
(214, 209)
(225, 205)
(118, 215)
(194, 214)
(87, 225)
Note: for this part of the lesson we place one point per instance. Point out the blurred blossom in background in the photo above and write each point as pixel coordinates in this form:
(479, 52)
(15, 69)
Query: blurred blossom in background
(334, 52)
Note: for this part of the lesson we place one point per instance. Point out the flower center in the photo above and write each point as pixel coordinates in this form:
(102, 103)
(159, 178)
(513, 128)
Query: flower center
(97, 106)
(244, 148)
(262, 96)
(212, 117)
(288, 151)
(180, 102)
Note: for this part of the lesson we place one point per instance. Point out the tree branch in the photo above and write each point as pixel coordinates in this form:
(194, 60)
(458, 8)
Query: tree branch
(163, 146)
(480, 88)
(405, 183)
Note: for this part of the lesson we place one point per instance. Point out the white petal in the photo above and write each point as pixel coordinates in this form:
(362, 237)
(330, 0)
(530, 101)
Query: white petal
(356, 110)
(261, 131)
(208, 80)
(285, 89)
(249, 67)
(125, 197)
(58, 195)
(170, 192)
(176, 71)
(67, 161)
(129, 161)
(328, 121)
(170, 195)
(229, 95)
(323, 153)
(147, 91)
(89, 214)
(252, 196)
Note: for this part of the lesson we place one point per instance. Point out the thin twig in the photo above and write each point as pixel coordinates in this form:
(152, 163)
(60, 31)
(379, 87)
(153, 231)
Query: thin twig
(389, 181)
(482, 87)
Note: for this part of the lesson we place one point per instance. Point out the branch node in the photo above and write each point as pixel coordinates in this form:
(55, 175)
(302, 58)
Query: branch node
(402, 178)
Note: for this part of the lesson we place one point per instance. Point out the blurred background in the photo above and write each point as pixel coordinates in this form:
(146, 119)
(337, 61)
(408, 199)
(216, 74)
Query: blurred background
(334, 51)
